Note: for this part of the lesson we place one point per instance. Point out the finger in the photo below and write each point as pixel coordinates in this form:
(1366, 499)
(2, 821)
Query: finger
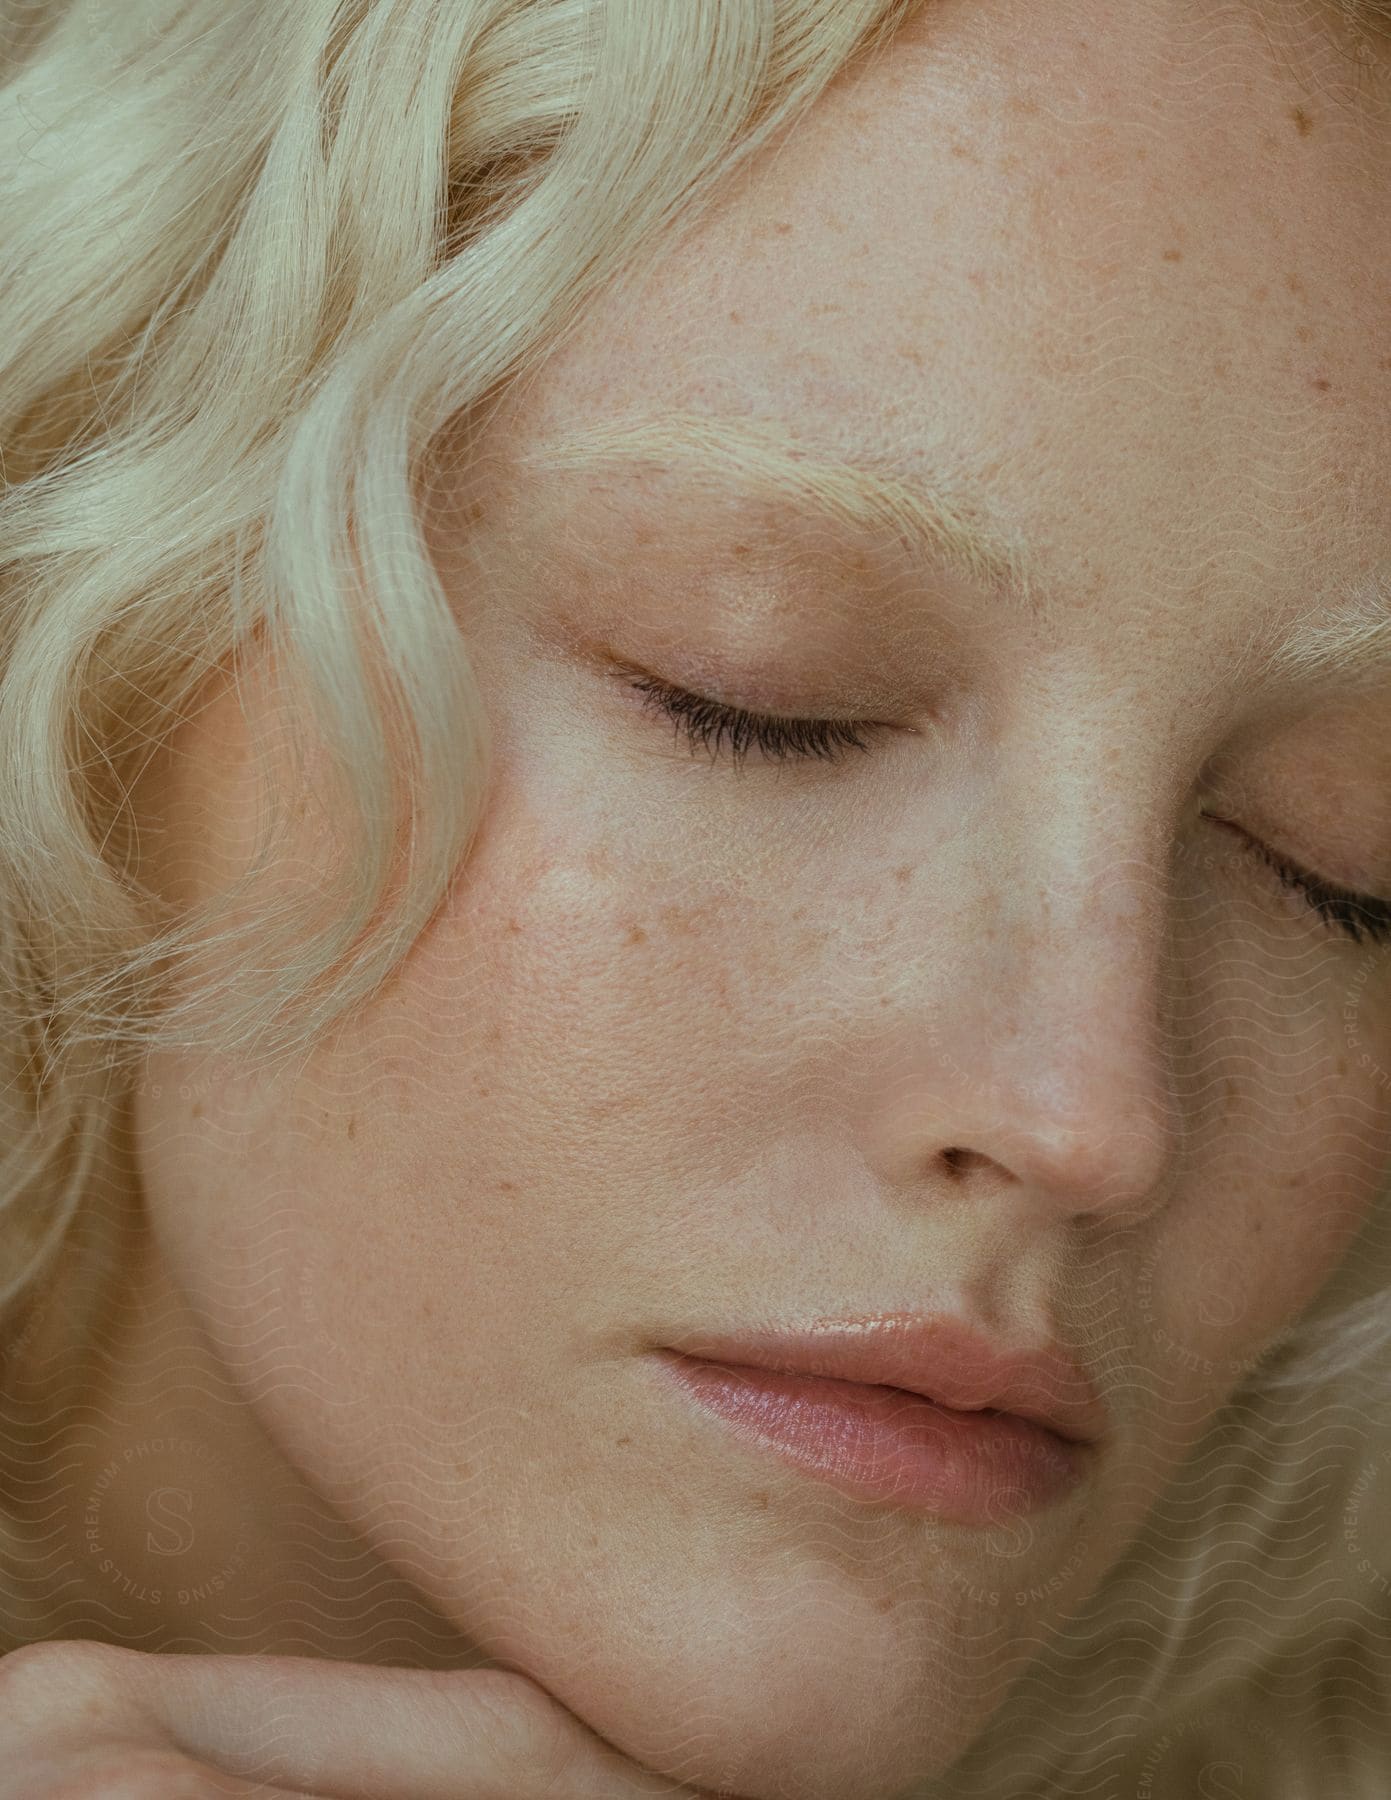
(359, 1732)
(219, 1785)
(120, 1771)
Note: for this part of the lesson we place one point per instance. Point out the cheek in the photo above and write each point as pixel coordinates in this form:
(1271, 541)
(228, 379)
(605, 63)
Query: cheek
(1254, 1235)
(1301, 1232)
(1334, 1169)
(466, 1145)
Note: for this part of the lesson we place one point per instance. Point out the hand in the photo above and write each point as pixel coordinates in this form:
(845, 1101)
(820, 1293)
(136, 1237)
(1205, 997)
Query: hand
(90, 1721)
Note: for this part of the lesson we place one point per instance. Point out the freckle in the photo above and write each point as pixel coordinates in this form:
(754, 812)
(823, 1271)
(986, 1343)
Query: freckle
(352, 1126)
(1175, 255)
(198, 1109)
(636, 935)
(1321, 382)
(905, 873)
(1303, 333)
(885, 1603)
(1023, 103)
(760, 1500)
(507, 1187)
(911, 353)
(1142, 154)
(1293, 283)
(1303, 124)
(1260, 292)
(736, 318)
(512, 925)
(620, 1442)
(1221, 366)
(782, 227)
(1385, 365)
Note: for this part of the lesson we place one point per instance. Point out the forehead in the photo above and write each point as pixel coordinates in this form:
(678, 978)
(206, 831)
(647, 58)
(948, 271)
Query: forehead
(1129, 265)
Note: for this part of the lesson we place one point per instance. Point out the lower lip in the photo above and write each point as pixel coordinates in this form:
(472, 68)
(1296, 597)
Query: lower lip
(882, 1443)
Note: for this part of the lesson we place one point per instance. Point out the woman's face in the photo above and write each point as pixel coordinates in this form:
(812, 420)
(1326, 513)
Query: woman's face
(998, 1019)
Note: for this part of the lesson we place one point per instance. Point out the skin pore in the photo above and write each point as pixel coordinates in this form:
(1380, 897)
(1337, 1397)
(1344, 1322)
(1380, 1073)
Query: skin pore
(996, 1018)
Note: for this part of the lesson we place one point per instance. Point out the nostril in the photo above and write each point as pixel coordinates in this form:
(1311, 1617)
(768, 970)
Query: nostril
(957, 1160)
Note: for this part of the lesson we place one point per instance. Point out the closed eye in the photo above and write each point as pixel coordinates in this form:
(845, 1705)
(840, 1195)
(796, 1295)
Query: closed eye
(1362, 917)
(707, 724)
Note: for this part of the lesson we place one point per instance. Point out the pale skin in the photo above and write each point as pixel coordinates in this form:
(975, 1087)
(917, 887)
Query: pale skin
(684, 1050)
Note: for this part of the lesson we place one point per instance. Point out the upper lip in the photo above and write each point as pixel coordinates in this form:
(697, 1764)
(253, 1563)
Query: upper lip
(936, 1355)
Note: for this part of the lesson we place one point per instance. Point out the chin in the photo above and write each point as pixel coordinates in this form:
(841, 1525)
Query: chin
(808, 1693)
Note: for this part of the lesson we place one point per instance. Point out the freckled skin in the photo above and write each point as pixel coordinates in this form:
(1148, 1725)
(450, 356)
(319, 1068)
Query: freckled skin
(988, 1020)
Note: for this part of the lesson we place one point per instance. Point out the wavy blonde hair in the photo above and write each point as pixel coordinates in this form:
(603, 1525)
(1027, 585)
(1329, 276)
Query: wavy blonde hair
(256, 260)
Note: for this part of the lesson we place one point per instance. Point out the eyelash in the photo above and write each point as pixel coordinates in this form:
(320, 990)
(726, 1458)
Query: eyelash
(707, 723)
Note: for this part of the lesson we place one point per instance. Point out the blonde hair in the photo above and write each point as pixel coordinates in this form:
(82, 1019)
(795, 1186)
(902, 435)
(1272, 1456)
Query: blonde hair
(226, 353)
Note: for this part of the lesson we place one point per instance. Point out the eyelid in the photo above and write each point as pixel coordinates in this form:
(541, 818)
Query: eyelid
(1337, 889)
(707, 683)
(1356, 915)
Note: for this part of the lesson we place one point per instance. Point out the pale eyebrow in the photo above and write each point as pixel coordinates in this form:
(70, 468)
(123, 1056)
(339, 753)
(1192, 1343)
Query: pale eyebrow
(1353, 637)
(944, 517)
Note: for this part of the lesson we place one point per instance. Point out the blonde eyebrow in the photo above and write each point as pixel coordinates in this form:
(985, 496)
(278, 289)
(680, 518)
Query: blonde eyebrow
(943, 517)
(1352, 637)
(857, 492)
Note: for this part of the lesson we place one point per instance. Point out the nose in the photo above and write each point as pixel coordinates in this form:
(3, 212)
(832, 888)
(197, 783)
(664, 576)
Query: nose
(1042, 1049)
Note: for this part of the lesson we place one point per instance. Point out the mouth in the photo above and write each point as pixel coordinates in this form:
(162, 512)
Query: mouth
(877, 1442)
(939, 1357)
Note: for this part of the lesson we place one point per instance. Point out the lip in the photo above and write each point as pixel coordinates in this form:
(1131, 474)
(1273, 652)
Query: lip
(922, 1412)
(942, 1358)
